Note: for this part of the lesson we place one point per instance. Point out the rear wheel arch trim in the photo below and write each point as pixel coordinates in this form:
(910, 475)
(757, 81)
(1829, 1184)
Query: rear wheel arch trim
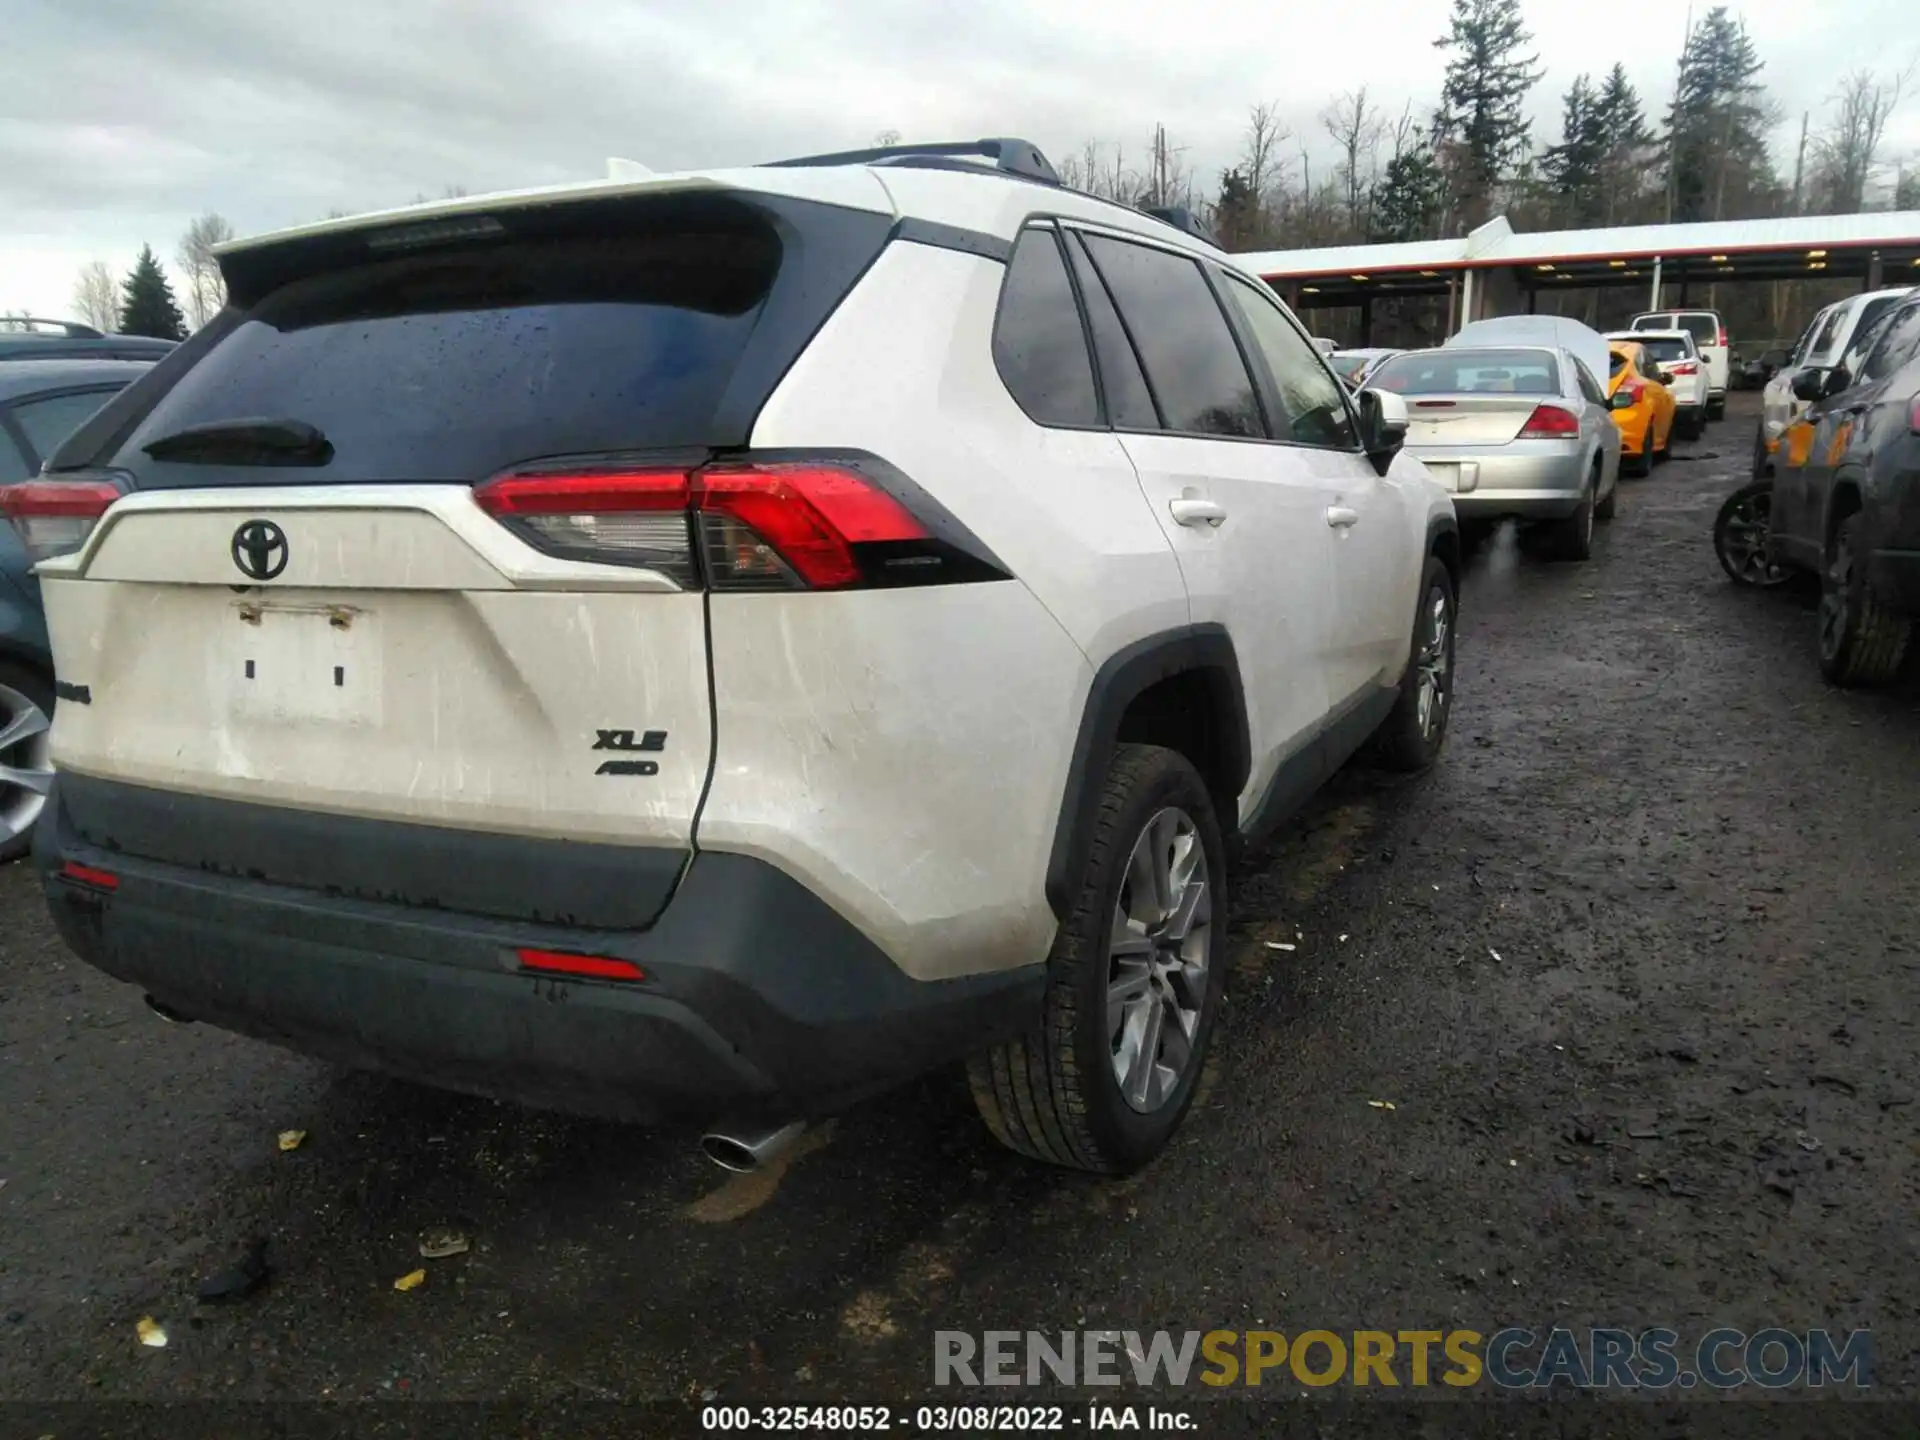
(1206, 649)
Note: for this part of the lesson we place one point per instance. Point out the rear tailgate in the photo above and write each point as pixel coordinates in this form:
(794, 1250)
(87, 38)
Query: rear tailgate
(356, 636)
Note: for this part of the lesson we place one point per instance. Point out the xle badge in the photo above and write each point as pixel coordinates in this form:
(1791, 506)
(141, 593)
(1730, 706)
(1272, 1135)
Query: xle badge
(651, 740)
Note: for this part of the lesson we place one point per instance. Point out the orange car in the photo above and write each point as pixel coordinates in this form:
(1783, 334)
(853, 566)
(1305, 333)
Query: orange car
(1643, 406)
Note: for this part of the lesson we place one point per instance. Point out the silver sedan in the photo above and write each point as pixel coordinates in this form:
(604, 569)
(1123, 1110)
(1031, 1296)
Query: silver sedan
(1518, 432)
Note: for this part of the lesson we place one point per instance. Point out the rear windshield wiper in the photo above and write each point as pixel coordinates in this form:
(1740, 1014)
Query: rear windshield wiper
(244, 442)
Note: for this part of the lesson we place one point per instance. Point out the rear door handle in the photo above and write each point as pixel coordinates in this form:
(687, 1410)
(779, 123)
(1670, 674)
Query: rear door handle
(1190, 511)
(1341, 516)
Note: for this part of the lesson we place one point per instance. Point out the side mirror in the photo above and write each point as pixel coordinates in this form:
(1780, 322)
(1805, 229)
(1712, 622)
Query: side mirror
(1383, 426)
(1810, 385)
(1838, 379)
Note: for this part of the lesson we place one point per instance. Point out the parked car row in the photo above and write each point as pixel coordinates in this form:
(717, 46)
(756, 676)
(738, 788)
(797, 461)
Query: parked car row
(1836, 493)
(818, 629)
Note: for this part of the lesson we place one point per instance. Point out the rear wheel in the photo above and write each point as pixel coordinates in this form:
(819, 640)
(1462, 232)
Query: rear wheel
(1862, 642)
(1716, 409)
(26, 769)
(1665, 452)
(1411, 736)
(1740, 534)
(1572, 538)
(1643, 462)
(1133, 984)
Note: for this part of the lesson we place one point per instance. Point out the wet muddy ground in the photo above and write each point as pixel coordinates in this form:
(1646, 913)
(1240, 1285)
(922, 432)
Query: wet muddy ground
(1635, 968)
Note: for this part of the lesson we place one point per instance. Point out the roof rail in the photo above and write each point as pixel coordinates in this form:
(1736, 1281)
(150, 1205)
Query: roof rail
(1010, 156)
(69, 329)
(1182, 219)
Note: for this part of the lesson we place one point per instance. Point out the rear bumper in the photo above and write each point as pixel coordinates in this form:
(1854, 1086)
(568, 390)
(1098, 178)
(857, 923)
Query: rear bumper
(1534, 480)
(759, 1002)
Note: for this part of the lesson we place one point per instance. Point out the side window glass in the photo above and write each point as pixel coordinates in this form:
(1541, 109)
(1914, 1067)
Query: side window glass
(1829, 332)
(1899, 341)
(13, 465)
(1589, 387)
(1039, 344)
(1189, 354)
(1129, 401)
(1313, 403)
(47, 422)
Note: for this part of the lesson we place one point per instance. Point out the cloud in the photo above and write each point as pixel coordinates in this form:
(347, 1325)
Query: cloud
(122, 119)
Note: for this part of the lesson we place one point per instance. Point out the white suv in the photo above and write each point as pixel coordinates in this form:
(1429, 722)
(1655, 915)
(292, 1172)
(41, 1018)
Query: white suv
(1828, 336)
(722, 644)
(1709, 333)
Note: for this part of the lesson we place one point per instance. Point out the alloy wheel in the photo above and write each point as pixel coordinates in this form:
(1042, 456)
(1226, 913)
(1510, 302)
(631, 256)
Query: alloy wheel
(1743, 542)
(1435, 664)
(1836, 598)
(1157, 960)
(26, 765)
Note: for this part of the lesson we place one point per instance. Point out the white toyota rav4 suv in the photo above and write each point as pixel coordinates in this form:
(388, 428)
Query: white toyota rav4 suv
(719, 645)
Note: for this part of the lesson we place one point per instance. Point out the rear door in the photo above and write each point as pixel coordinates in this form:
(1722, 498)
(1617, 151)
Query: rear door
(1247, 517)
(1710, 338)
(1376, 567)
(333, 618)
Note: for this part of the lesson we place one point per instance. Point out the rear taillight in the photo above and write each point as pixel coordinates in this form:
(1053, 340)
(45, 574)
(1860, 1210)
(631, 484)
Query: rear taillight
(54, 517)
(1684, 367)
(730, 526)
(584, 967)
(89, 876)
(1550, 422)
(1723, 335)
(1628, 395)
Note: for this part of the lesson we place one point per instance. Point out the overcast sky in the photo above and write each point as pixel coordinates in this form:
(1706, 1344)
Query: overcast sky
(122, 119)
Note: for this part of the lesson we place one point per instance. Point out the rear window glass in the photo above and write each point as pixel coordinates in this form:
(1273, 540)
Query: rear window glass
(1457, 372)
(1616, 362)
(1653, 322)
(1871, 311)
(46, 422)
(1347, 367)
(449, 366)
(1665, 351)
(1705, 329)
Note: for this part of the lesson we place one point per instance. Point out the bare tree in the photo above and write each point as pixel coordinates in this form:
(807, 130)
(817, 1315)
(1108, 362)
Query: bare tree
(886, 139)
(96, 298)
(1168, 181)
(1355, 125)
(1258, 162)
(1843, 156)
(206, 292)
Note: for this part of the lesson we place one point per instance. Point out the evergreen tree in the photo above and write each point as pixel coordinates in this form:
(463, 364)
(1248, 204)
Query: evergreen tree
(1626, 153)
(1407, 203)
(1236, 214)
(147, 305)
(1572, 169)
(1717, 159)
(1482, 100)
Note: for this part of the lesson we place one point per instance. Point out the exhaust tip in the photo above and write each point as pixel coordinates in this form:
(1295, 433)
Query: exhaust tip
(745, 1150)
(729, 1154)
(166, 1012)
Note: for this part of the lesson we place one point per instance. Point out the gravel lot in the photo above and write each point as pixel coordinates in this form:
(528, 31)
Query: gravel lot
(1634, 967)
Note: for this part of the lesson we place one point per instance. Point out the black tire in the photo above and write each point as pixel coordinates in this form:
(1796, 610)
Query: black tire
(1716, 409)
(1862, 642)
(1665, 452)
(38, 690)
(1740, 537)
(1604, 509)
(1572, 538)
(1053, 1094)
(1406, 740)
(1762, 466)
(1643, 462)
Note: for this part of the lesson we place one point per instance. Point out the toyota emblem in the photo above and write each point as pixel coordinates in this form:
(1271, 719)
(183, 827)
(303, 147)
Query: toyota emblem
(260, 549)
